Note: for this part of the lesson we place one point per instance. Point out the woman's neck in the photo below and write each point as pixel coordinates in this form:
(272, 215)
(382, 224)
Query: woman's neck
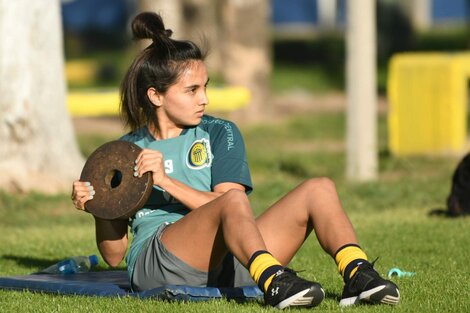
(162, 132)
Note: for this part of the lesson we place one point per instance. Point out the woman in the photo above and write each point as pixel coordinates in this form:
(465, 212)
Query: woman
(198, 228)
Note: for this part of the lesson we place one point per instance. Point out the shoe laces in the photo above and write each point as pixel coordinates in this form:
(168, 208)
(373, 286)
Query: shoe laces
(285, 270)
(289, 275)
(366, 272)
(373, 262)
(367, 265)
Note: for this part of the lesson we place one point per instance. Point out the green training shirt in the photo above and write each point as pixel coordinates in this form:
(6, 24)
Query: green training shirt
(201, 157)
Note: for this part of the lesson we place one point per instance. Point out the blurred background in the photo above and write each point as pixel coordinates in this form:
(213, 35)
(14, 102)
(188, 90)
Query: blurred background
(306, 37)
(290, 57)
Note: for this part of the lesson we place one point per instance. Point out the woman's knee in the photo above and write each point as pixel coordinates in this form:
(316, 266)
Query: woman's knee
(234, 195)
(319, 185)
(235, 201)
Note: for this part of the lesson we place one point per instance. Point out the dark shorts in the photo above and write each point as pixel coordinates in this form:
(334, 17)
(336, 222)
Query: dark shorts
(156, 267)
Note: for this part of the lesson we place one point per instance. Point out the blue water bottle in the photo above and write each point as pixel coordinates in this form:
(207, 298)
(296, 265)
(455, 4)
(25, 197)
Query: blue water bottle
(72, 265)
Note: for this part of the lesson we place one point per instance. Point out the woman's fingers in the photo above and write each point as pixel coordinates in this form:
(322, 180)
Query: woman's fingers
(81, 193)
(150, 165)
(79, 203)
(148, 161)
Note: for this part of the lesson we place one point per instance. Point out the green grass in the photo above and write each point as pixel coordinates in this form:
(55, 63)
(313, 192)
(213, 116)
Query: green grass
(390, 215)
(307, 78)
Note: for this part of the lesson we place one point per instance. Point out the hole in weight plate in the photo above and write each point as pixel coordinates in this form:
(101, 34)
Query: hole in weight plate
(113, 178)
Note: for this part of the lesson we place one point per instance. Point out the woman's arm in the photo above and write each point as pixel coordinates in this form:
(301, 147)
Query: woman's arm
(193, 198)
(111, 239)
(152, 161)
(111, 236)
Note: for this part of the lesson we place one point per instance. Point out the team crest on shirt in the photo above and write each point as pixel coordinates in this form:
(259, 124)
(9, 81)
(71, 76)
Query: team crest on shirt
(199, 155)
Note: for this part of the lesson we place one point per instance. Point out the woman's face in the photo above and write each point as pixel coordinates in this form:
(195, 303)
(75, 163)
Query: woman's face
(184, 102)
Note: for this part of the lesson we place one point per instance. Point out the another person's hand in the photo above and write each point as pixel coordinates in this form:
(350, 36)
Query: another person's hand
(150, 161)
(81, 193)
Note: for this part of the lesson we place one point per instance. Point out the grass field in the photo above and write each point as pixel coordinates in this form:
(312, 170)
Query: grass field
(390, 215)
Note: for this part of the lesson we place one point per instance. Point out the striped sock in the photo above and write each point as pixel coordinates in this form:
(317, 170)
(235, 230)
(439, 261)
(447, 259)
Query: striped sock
(348, 258)
(262, 266)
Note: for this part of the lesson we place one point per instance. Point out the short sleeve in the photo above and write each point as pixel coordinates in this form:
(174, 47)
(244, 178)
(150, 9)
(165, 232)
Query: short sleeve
(229, 156)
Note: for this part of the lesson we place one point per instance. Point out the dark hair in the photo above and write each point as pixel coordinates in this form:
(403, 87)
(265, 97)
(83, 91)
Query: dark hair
(158, 66)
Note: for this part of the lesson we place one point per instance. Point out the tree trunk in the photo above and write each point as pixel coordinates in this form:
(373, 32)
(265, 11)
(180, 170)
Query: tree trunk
(361, 91)
(245, 50)
(327, 14)
(202, 25)
(420, 13)
(38, 150)
(170, 11)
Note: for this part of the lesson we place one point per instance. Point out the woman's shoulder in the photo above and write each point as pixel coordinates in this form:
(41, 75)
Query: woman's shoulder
(214, 124)
(135, 135)
(223, 133)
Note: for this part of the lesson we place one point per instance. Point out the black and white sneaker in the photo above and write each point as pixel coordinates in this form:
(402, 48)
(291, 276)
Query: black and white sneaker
(289, 290)
(367, 285)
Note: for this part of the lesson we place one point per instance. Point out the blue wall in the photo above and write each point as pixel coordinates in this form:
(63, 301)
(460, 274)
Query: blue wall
(80, 15)
(449, 9)
(306, 11)
(104, 15)
(297, 11)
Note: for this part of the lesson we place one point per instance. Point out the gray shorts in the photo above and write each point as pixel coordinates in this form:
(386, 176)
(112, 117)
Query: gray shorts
(156, 267)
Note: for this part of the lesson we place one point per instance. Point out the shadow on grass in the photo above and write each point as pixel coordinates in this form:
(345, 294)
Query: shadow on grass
(445, 213)
(40, 263)
(29, 261)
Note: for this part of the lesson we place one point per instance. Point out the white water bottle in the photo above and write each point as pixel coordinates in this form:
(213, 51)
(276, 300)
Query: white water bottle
(72, 265)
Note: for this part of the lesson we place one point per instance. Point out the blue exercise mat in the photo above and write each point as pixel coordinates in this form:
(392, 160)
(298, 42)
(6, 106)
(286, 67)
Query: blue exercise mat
(115, 283)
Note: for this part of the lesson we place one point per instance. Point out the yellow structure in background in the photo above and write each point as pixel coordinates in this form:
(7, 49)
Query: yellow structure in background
(106, 102)
(81, 71)
(428, 100)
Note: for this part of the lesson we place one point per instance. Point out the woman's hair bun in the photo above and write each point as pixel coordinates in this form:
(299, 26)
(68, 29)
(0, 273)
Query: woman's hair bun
(149, 25)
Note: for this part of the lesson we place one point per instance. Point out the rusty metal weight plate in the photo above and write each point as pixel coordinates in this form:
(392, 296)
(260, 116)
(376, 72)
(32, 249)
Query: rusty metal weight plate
(110, 170)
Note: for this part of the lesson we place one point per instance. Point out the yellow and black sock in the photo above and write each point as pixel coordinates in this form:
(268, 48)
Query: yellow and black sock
(348, 258)
(262, 266)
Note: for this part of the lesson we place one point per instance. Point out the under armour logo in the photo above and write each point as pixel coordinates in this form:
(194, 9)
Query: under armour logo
(274, 291)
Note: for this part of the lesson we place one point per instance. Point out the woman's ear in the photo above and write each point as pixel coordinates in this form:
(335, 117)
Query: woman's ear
(154, 96)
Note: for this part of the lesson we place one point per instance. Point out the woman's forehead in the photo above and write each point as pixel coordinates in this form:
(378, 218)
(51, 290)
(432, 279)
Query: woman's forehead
(194, 71)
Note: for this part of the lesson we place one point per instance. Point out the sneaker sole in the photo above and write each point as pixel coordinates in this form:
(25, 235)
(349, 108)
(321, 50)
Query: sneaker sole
(379, 294)
(306, 298)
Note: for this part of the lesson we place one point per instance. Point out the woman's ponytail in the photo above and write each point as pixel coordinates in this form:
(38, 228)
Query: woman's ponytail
(149, 25)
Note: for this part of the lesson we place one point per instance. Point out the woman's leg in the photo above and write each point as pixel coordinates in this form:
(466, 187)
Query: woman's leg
(313, 205)
(202, 238)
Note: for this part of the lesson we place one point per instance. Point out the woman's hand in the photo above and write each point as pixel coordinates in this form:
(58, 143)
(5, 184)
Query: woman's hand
(151, 161)
(81, 193)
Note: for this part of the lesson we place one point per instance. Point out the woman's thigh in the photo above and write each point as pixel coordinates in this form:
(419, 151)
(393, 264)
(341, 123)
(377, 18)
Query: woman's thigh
(198, 238)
